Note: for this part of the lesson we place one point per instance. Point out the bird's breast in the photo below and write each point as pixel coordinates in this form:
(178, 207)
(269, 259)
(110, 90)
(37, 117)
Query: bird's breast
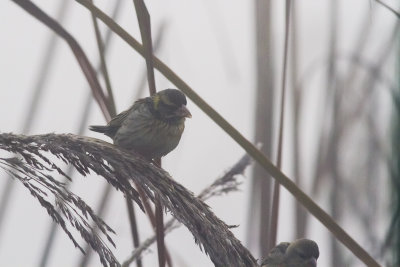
(148, 136)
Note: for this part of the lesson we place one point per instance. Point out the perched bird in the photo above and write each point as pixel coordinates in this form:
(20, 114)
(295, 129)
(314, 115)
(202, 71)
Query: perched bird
(299, 253)
(276, 255)
(152, 126)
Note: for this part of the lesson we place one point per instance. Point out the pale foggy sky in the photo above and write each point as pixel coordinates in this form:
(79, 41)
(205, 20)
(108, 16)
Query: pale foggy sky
(211, 46)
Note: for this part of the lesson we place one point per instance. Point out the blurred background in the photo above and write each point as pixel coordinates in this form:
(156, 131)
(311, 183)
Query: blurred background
(341, 124)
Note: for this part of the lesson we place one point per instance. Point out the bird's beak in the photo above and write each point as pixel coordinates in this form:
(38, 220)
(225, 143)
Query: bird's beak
(183, 112)
(312, 262)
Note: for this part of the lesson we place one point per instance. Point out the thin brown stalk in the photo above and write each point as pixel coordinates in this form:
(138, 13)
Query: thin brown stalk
(397, 14)
(38, 88)
(160, 231)
(81, 57)
(137, 253)
(134, 228)
(140, 86)
(259, 214)
(347, 82)
(333, 98)
(151, 215)
(145, 32)
(297, 92)
(143, 17)
(112, 108)
(276, 193)
(78, 52)
(306, 201)
(104, 69)
(105, 195)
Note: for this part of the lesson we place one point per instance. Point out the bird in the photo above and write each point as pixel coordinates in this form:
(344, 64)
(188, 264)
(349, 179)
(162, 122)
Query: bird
(300, 253)
(152, 126)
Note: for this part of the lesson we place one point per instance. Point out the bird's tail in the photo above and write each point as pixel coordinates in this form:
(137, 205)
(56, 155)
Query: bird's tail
(107, 130)
(99, 129)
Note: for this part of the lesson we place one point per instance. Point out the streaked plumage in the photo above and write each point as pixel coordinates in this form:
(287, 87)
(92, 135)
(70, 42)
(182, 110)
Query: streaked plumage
(153, 126)
(299, 253)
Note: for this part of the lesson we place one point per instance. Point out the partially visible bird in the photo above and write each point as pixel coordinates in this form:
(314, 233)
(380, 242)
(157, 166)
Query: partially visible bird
(299, 253)
(152, 126)
(276, 255)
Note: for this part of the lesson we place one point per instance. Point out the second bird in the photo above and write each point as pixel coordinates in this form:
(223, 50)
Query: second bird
(152, 127)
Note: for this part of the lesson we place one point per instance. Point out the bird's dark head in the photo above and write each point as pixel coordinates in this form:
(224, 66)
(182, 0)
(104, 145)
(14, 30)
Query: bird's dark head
(170, 105)
(302, 253)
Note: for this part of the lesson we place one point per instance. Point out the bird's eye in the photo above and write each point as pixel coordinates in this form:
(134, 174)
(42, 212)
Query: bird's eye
(166, 105)
(302, 255)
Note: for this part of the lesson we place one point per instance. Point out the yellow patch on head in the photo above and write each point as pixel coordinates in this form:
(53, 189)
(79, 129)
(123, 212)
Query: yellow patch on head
(156, 101)
(165, 99)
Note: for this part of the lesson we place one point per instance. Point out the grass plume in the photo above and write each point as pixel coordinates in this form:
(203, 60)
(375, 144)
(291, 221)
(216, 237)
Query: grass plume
(119, 168)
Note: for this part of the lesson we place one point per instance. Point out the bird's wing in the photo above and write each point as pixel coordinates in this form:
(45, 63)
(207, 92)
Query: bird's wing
(118, 120)
(115, 123)
(276, 255)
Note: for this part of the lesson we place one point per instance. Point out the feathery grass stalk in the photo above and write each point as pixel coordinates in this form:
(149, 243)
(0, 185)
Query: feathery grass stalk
(35, 171)
(48, 247)
(225, 184)
(81, 129)
(307, 202)
(120, 168)
(107, 190)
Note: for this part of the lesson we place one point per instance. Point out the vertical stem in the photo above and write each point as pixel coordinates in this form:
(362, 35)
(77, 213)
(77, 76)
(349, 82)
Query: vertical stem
(300, 212)
(104, 70)
(160, 231)
(160, 226)
(143, 17)
(260, 194)
(276, 193)
(134, 228)
(152, 217)
(332, 87)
